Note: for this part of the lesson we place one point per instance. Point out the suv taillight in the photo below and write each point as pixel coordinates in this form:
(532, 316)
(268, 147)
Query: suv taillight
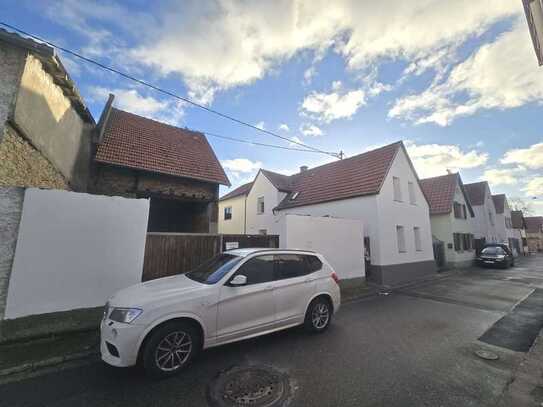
(335, 277)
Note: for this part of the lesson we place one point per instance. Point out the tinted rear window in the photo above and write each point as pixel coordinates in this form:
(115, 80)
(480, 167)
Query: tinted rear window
(290, 266)
(313, 263)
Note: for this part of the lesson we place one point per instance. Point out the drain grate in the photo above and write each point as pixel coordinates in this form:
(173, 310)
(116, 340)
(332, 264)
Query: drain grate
(259, 386)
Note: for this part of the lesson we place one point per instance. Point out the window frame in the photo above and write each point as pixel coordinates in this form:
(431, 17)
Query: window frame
(227, 211)
(259, 202)
(411, 191)
(397, 189)
(417, 238)
(400, 239)
(240, 271)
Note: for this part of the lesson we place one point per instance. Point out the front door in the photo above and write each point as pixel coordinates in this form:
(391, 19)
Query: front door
(243, 310)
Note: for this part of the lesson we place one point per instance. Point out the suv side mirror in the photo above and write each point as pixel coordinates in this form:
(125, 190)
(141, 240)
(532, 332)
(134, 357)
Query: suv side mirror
(238, 280)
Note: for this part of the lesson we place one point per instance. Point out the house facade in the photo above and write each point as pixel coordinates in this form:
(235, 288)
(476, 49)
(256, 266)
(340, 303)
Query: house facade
(484, 221)
(175, 168)
(519, 225)
(534, 233)
(451, 217)
(45, 127)
(232, 211)
(504, 225)
(379, 188)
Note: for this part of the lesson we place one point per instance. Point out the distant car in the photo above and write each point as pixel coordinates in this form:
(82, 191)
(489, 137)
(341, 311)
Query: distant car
(236, 295)
(496, 255)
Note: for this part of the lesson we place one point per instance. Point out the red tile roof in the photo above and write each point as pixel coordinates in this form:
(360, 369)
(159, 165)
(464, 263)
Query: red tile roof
(282, 182)
(499, 202)
(241, 190)
(476, 192)
(136, 142)
(440, 193)
(534, 224)
(360, 175)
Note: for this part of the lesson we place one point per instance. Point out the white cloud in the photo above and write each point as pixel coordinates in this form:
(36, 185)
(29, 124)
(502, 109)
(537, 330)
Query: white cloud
(310, 130)
(431, 160)
(338, 104)
(218, 45)
(534, 187)
(260, 125)
(499, 75)
(505, 176)
(241, 165)
(284, 127)
(531, 157)
(167, 111)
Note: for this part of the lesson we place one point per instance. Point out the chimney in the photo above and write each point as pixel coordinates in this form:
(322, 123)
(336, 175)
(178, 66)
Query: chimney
(303, 168)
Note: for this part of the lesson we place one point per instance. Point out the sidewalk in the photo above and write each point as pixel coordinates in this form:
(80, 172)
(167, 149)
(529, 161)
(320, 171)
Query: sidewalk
(31, 355)
(526, 387)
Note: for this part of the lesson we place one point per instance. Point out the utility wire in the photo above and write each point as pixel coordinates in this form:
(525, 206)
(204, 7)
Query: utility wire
(254, 143)
(166, 92)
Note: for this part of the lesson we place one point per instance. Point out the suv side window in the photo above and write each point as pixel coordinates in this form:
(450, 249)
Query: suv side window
(290, 266)
(313, 263)
(258, 270)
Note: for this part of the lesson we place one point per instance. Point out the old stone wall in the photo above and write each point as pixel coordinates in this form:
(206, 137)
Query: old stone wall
(11, 206)
(11, 66)
(24, 166)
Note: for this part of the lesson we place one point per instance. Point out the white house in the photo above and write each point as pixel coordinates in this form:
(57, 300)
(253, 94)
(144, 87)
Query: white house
(451, 217)
(519, 226)
(504, 227)
(232, 207)
(484, 225)
(379, 187)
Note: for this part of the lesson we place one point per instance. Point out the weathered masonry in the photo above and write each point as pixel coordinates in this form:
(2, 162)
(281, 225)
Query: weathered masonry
(176, 168)
(45, 127)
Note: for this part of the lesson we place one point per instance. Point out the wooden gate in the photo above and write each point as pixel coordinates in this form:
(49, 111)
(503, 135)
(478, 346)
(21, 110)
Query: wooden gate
(168, 254)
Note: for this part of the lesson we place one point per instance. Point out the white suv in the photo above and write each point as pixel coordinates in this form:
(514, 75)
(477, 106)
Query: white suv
(236, 295)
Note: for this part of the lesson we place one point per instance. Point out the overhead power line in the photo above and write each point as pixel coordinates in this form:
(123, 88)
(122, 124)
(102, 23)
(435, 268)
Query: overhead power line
(167, 92)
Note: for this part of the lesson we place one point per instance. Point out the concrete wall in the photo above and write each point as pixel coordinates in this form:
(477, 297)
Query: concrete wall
(341, 241)
(47, 119)
(11, 207)
(12, 62)
(74, 251)
(24, 166)
(236, 225)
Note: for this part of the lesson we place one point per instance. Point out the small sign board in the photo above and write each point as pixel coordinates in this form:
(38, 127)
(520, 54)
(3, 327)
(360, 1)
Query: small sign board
(231, 245)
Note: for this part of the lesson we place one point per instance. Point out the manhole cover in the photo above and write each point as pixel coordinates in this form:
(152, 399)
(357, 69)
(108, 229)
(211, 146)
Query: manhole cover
(485, 354)
(260, 386)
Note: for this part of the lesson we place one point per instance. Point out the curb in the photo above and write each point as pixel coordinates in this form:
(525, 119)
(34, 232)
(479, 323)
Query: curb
(53, 361)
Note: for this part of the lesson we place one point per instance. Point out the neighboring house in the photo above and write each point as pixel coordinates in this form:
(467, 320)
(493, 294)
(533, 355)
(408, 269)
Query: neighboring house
(534, 15)
(176, 168)
(519, 225)
(232, 210)
(451, 217)
(380, 188)
(534, 233)
(504, 225)
(484, 222)
(45, 127)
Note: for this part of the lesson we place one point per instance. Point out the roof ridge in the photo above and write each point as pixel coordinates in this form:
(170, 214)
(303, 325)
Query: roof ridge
(200, 133)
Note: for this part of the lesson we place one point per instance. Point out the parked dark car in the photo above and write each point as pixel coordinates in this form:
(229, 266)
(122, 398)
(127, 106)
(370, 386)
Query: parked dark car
(496, 255)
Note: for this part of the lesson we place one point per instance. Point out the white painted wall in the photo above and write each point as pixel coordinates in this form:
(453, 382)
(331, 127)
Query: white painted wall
(236, 225)
(392, 213)
(341, 241)
(482, 225)
(262, 187)
(75, 250)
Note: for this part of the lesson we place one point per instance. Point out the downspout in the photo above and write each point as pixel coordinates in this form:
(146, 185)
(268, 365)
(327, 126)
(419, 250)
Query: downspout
(245, 215)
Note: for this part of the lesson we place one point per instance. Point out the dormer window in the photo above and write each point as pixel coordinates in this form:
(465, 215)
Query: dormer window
(294, 196)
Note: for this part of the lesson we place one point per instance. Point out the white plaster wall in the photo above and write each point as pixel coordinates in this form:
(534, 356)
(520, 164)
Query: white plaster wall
(392, 213)
(359, 208)
(341, 241)
(236, 225)
(482, 226)
(461, 226)
(75, 250)
(263, 187)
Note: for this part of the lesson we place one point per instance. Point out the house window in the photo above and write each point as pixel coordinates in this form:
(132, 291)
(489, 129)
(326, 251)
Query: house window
(490, 218)
(228, 213)
(412, 197)
(262, 232)
(397, 189)
(401, 239)
(457, 242)
(464, 213)
(418, 243)
(260, 205)
(457, 210)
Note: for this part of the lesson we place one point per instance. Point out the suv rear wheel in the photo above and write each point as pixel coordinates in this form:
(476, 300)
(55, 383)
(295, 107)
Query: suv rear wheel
(318, 315)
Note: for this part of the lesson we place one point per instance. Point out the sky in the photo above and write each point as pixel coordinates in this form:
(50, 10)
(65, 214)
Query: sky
(457, 80)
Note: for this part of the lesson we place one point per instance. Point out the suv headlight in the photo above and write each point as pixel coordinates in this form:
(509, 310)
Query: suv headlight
(125, 315)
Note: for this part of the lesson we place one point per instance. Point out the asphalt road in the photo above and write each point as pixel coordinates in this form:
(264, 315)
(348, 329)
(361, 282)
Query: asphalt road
(410, 348)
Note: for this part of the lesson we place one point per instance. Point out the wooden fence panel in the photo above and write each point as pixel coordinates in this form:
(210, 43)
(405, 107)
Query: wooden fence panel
(167, 254)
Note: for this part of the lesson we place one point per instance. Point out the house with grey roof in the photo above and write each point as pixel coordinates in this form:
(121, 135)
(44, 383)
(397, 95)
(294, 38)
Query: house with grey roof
(484, 225)
(380, 188)
(451, 218)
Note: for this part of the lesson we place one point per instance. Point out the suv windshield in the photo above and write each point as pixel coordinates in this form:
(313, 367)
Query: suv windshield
(493, 250)
(214, 269)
